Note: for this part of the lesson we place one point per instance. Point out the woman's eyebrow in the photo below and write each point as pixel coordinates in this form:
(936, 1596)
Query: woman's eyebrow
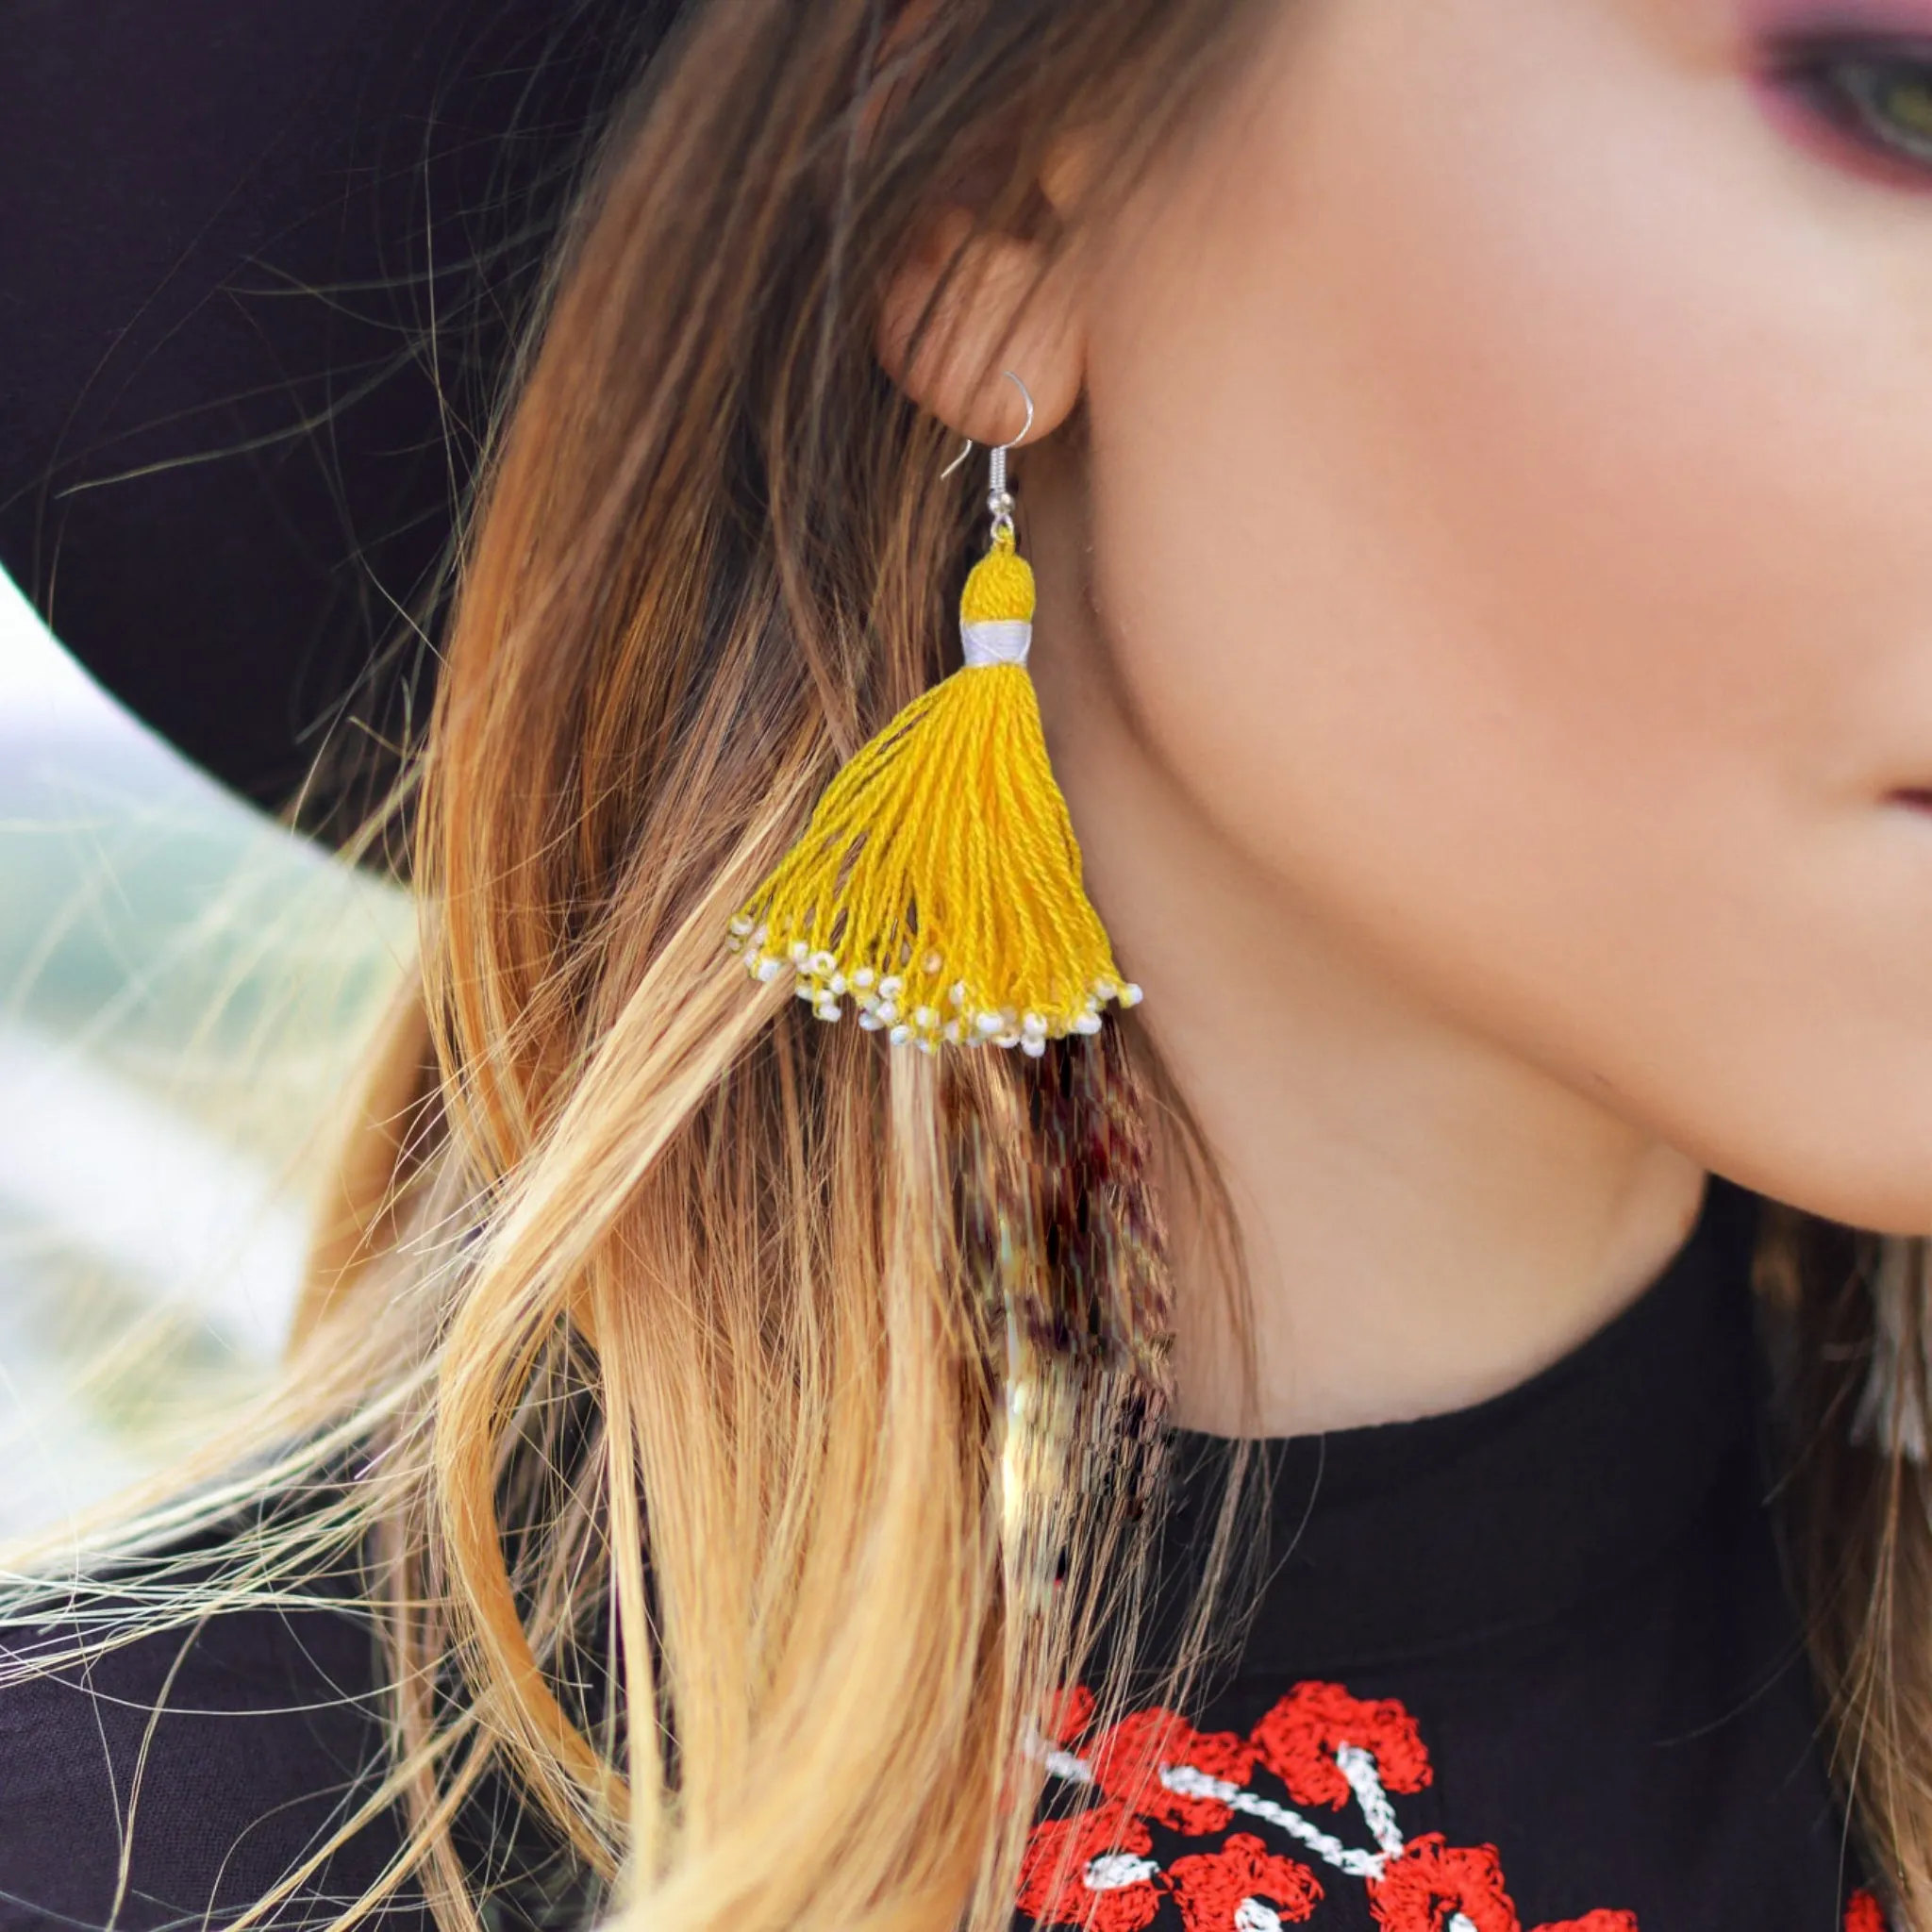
(1820, 19)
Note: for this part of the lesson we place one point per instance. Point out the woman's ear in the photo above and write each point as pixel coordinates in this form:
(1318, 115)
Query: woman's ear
(999, 306)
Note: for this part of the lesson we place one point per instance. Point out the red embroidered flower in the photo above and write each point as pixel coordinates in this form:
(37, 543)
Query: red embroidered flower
(1863, 1914)
(1090, 1870)
(1297, 1740)
(1067, 1714)
(1425, 1888)
(1127, 1760)
(1213, 1888)
(1095, 1870)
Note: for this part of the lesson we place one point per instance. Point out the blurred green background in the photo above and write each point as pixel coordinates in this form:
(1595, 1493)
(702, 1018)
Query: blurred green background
(185, 989)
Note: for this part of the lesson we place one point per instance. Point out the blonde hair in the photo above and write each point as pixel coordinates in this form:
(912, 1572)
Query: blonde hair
(737, 1427)
(731, 1423)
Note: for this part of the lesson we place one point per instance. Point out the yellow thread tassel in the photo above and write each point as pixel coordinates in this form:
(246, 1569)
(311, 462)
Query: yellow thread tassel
(937, 890)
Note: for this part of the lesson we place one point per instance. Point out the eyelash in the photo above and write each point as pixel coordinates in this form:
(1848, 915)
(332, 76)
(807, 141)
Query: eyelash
(1878, 95)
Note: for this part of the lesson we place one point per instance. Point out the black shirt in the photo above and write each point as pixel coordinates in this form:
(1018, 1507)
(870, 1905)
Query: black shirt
(1530, 1665)
(1557, 1621)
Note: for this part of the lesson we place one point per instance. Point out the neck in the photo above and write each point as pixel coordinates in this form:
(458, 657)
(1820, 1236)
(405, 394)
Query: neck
(1425, 1218)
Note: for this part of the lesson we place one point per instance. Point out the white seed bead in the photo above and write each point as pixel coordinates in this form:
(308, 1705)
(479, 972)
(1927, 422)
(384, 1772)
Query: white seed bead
(991, 1022)
(924, 1019)
(769, 969)
(1105, 989)
(734, 945)
(1033, 1026)
(830, 1010)
(891, 985)
(823, 965)
(800, 952)
(900, 1034)
(1087, 1022)
(1131, 994)
(888, 1011)
(837, 983)
(1034, 1048)
(804, 991)
(863, 978)
(958, 995)
(871, 1023)
(741, 926)
(950, 1033)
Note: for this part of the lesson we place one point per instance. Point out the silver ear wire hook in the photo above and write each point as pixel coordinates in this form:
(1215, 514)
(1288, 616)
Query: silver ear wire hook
(999, 499)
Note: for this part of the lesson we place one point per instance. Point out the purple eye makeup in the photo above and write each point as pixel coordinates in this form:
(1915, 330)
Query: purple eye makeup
(1853, 81)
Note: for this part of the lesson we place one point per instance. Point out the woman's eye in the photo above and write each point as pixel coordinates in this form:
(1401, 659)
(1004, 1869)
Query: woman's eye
(1878, 97)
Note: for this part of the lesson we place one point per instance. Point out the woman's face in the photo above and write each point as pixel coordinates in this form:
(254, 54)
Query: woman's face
(1511, 499)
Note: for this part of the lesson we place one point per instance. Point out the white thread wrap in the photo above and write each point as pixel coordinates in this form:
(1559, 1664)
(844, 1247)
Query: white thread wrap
(1002, 641)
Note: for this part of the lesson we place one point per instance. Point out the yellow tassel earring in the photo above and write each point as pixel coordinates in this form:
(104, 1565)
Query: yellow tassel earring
(937, 891)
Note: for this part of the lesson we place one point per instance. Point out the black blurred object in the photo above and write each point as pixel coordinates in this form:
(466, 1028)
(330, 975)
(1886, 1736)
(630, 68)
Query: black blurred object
(261, 268)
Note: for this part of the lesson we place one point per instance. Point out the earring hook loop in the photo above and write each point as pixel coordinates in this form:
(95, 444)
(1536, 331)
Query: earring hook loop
(999, 499)
(1026, 397)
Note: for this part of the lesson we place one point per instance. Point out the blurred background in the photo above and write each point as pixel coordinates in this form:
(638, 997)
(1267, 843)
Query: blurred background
(185, 988)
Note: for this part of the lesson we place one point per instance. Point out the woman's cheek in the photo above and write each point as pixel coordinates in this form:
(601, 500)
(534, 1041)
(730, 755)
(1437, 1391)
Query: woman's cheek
(1554, 595)
(1486, 462)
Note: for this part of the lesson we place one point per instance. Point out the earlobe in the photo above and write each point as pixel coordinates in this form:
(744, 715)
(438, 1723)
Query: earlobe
(996, 304)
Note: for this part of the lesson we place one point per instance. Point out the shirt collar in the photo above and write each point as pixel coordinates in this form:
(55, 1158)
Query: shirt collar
(1411, 1539)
